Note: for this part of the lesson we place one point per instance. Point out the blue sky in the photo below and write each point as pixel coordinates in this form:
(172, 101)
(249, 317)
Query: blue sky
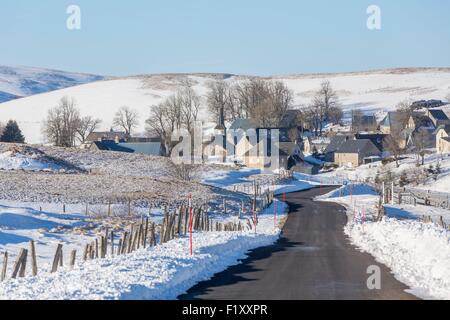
(237, 36)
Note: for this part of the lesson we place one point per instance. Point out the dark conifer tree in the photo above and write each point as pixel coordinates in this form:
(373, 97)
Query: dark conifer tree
(12, 133)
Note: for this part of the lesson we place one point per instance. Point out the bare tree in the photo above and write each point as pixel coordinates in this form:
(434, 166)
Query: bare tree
(308, 118)
(249, 95)
(176, 112)
(183, 171)
(221, 96)
(190, 105)
(86, 126)
(326, 100)
(405, 111)
(394, 144)
(127, 119)
(281, 99)
(164, 119)
(264, 101)
(61, 124)
(356, 120)
(420, 141)
(335, 114)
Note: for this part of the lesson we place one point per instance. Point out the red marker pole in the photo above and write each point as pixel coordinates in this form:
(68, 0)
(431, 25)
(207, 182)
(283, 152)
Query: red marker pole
(275, 213)
(351, 193)
(190, 223)
(254, 218)
(363, 215)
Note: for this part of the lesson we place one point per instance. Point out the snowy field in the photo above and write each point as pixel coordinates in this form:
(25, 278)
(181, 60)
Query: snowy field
(71, 176)
(161, 272)
(417, 253)
(375, 91)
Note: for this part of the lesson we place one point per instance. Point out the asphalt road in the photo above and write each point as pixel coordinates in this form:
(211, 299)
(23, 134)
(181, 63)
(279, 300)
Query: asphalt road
(312, 260)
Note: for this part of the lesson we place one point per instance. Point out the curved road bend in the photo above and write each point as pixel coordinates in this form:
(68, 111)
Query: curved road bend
(312, 260)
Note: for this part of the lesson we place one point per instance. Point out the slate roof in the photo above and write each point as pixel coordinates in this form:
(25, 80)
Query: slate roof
(290, 118)
(393, 118)
(148, 148)
(439, 115)
(285, 149)
(109, 145)
(243, 124)
(106, 135)
(363, 146)
(336, 142)
(365, 120)
(446, 128)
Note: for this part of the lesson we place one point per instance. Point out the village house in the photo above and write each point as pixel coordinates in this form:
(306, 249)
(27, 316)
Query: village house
(246, 143)
(419, 119)
(116, 136)
(107, 135)
(289, 155)
(335, 143)
(394, 120)
(427, 104)
(378, 139)
(364, 123)
(152, 147)
(438, 117)
(354, 153)
(313, 145)
(443, 139)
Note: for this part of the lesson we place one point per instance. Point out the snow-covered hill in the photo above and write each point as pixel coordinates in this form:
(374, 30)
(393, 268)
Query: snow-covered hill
(17, 82)
(370, 91)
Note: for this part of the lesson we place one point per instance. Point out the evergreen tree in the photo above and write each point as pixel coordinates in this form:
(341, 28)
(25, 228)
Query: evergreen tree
(12, 133)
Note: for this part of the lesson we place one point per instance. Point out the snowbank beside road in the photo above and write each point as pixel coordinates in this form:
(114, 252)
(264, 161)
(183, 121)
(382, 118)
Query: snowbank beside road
(417, 253)
(161, 272)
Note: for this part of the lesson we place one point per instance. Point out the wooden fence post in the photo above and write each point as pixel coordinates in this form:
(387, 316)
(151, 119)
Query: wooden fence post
(119, 247)
(20, 265)
(5, 266)
(34, 269)
(186, 220)
(96, 248)
(92, 250)
(102, 247)
(57, 259)
(180, 220)
(85, 253)
(130, 240)
(123, 242)
(73, 256)
(441, 222)
(144, 240)
(112, 243)
(153, 234)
